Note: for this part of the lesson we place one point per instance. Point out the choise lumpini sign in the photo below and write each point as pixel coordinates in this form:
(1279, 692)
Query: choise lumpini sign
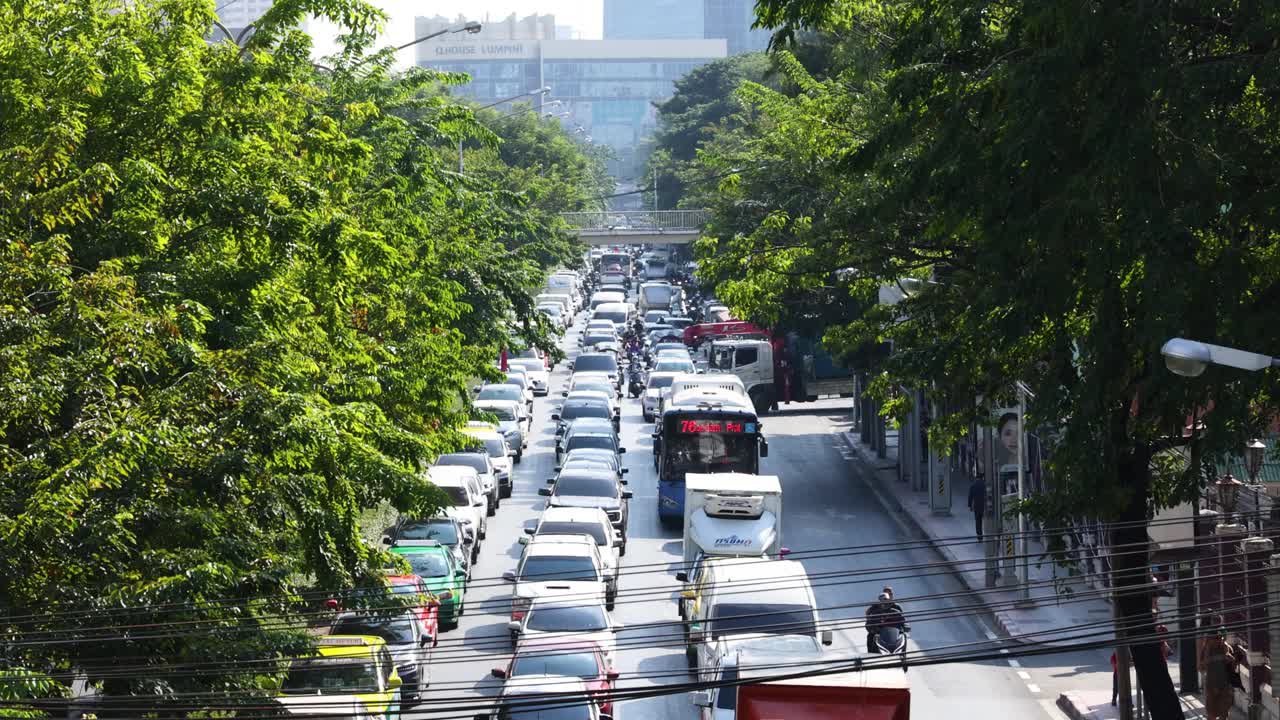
(485, 50)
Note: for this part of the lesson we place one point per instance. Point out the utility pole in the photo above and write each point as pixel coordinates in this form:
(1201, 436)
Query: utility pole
(1024, 565)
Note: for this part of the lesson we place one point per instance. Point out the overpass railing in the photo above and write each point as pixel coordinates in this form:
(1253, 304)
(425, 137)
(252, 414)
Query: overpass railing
(637, 220)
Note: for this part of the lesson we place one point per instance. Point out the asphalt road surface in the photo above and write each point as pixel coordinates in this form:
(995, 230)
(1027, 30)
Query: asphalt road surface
(829, 514)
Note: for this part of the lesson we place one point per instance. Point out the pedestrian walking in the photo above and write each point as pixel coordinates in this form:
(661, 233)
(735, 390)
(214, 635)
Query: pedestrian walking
(1218, 663)
(978, 503)
(1115, 678)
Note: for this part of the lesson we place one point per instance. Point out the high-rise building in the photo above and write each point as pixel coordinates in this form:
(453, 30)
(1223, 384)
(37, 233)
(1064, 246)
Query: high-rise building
(607, 87)
(728, 20)
(236, 15)
(652, 19)
(731, 20)
(531, 27)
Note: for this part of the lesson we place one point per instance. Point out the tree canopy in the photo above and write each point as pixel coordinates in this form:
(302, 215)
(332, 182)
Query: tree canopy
(1070, 187)
(241, 300)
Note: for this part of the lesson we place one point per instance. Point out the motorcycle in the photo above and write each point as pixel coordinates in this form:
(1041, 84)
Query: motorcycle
(635, 379)
(891, 640)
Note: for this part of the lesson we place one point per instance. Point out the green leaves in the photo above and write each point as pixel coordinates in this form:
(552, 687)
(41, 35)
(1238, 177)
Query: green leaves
(240, 302)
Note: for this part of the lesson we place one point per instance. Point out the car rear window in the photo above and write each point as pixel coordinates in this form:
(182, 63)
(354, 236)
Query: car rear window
(564, 663)
(595, 363)
(573, 411)
(741, 618)
(476, 461)
(588, 486)
(443, 530)
(600, 442)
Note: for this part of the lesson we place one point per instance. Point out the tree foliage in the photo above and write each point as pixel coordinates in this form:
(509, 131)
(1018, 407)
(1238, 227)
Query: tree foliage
(241, 301)
(1073, 185)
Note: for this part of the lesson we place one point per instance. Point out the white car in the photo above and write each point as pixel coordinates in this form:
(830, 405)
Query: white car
(566, 567)
(582, 621)
(589, 521)
(555, 312)
(519, 699)
(512, 422)
(536, 371)
(519, 377)
(466, 500)
(500, 453)
(480, 462)
(652, 397)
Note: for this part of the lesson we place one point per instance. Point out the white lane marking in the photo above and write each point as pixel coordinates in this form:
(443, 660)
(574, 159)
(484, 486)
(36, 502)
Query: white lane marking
(990, 635)
(1034, 688)
(1013, 663)
(1024, 674)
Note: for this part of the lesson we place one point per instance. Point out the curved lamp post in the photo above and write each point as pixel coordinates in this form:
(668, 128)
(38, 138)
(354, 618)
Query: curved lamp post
(1189, 358)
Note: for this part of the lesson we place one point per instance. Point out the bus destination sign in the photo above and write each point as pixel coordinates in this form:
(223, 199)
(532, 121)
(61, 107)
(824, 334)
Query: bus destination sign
(722, 427)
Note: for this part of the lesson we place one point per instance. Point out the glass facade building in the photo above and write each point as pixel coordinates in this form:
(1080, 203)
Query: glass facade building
(607, 87)
(728, 20)
(652, 19)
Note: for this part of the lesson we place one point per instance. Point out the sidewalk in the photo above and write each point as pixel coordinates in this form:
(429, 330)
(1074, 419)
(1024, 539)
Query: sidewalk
(1067, 607)
(1061, 605)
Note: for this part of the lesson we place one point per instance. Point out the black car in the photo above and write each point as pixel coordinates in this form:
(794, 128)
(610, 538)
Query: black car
(583, 408)
(588, 436)
(445, 530)
(591, 488)
(598, 362)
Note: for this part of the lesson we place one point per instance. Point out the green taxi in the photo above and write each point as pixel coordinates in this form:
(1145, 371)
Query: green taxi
(349, 676)
(436, 565)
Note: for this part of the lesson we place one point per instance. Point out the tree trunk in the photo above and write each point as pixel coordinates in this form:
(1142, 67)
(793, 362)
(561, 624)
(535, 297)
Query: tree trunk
(1131, 573)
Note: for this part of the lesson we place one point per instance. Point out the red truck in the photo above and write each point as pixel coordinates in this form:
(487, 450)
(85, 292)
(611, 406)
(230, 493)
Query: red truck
(880, 694)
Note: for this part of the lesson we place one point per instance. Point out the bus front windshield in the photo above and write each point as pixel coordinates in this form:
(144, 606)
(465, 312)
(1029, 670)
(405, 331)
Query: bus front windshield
(703, 451)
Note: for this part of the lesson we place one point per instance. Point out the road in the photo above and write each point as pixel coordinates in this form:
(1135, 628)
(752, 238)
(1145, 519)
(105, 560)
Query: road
(827, 505)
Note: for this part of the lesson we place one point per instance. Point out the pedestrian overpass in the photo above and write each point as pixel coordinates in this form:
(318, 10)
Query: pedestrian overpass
(649, 227)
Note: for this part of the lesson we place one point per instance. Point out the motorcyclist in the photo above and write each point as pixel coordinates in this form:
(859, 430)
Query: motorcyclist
(883, 613)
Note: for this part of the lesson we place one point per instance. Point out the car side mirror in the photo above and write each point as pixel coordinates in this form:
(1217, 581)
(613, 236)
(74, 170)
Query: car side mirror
(764, 448)
(617, 543)
(479, 503)
(514, 626)
(701, 698)
(827, 637)
(783, 552)
(544, 492)
(654, 436)
(424, 641)
(530, 531)
(556, 468)
(625, 471)
(555, 416)
(612, 675)
(624, 482)
(550, 480)
(618, 626)
(459, 573)
(394, 681)
(627, 494)
(682, 576)
(500, 673)
(622, 451)
(386, 540)
(509, 575)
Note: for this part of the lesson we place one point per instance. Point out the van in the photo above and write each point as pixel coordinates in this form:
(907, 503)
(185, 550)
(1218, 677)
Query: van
(618, 313)
(744, 595)
(656, 296)
(564, 299)
(602, 297)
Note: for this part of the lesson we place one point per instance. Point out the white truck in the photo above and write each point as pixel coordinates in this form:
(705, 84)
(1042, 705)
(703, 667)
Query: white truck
(756, 363)
(731, 514)
(727, 515)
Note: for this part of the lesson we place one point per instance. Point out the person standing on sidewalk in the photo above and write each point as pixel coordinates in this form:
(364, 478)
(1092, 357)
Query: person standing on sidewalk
(1217, 662)
(978, 503)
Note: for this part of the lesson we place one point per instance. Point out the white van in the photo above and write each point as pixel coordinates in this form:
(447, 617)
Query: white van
(618, 313)
(748, 596)
(467, 501)
(565, 300)
(602, 297)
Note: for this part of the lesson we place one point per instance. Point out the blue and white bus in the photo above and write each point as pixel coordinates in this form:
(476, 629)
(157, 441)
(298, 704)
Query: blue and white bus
(707, 438)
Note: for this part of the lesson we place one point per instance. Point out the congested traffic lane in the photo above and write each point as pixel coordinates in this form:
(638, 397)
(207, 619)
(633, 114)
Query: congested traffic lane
(826, 507)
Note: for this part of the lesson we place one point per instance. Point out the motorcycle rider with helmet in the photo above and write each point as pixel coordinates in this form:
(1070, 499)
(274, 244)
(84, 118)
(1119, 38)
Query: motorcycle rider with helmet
(883, 613)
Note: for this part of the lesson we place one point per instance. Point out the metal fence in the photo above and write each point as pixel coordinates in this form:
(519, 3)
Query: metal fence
(637, 220)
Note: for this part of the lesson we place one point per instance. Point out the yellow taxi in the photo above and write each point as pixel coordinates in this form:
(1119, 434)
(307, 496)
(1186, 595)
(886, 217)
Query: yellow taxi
(349, 676)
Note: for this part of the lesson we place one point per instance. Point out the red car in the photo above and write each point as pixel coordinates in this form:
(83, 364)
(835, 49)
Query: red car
(428, 615)
(582, 660)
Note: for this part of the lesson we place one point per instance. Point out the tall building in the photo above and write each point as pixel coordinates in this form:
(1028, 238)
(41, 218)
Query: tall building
(531, 27)
(236, 15)
(607, 87)
(728, 20)
(652, 19)
(731, 20)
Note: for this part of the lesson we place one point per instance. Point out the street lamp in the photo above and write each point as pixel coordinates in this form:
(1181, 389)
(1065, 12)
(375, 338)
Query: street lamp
(1253, 452)
(469, 27)
(1228, 489)
(1189, 358)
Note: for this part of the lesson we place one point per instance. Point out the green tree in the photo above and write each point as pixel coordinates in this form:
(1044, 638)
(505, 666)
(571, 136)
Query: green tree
(238, 306)
(1083, 182)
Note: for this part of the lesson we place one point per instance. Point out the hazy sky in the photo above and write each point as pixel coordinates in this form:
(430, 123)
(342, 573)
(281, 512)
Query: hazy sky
(584, 16)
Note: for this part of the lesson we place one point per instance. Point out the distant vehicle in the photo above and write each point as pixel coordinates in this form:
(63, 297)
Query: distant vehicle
(591, 488)
(500, 455)
(513, 422)
(568, 659)
(536, 371)
(465, 500)
(447, 531)
(519, 700)
(434, 563)
(480, 462)
(557, 620)
(703, 438)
